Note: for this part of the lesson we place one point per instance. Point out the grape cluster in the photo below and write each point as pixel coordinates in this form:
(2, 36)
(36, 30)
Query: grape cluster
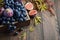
(18, 8)
(17, 11)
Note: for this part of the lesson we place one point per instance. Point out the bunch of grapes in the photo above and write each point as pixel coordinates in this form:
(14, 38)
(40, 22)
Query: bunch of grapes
(18, 9)
(13, 11)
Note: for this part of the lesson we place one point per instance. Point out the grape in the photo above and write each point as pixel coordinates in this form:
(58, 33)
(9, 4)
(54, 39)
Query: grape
(6, 6)
(12, 7)
(8, 19)
(14, 27)
(24, 18)
(17, 13)
(12, 23)
(12, 20)
(11, 27)
(19, 9)
(20, 19)
(15, 33)
(3, 22)
(12, 1)
(9, 2)
(8, 22)
(22, 15)
(16, 3)
(4, 18)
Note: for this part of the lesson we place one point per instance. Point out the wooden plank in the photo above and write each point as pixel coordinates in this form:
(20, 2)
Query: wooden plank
(37, 34)
(57, 4)
(49, 26)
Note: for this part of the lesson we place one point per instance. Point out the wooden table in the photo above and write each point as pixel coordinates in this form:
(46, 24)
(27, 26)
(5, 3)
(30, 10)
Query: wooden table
(47, 30)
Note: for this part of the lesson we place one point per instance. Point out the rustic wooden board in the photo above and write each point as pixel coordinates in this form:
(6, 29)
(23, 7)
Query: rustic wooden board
(45, 31)
(37, 34)
(57, 4)
(49, 26)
